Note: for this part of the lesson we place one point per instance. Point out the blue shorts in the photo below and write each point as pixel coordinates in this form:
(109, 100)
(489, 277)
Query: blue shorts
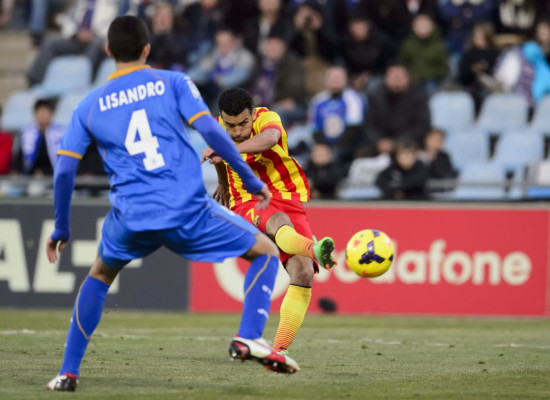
(212, 235)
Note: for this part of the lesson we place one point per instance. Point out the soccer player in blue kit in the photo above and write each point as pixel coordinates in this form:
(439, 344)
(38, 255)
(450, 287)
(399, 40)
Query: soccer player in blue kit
(157, 194)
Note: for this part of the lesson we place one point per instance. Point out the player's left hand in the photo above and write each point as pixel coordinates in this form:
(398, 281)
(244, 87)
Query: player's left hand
(209, 154)
(51, 248)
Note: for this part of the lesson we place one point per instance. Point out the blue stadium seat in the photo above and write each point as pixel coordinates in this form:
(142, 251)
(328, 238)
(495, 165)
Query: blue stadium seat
(360, 182)
(467, 147)
(65, 74)
(300, 134)
(541, 117)
(514, 151)
(65, 107)
(19, 111)
(106, 68)
(452, 110)
(502, 111)
(481, 181)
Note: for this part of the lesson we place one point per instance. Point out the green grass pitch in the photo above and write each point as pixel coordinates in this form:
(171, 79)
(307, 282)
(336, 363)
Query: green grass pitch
(146, 355)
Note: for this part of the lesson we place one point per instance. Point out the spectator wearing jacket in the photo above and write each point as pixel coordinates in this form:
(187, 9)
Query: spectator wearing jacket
(406, 177)
(279, 82)
(228, 64)
(424, 54)
(398, 110)
(39, 142)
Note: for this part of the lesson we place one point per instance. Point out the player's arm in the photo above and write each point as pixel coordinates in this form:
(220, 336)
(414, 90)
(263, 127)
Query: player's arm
(74, 144)
(260, 142)
(63, 185)
(221, 193)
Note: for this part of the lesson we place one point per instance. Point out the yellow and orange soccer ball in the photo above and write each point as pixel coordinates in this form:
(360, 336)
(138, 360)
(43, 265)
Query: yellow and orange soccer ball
(369, 253)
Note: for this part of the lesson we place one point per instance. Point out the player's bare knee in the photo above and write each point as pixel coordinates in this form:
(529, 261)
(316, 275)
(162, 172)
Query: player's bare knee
(103, 272)
(275, 222)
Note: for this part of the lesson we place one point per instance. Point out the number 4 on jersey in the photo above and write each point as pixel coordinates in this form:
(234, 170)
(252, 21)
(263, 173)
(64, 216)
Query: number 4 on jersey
(146, 143)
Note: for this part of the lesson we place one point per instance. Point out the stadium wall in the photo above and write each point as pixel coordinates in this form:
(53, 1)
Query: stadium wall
(451, 259)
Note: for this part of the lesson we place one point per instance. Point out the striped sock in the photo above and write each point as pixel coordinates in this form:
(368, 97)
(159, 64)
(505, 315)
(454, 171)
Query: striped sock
(291, 242)
(86, 315)
(258, 286)
(293, 311)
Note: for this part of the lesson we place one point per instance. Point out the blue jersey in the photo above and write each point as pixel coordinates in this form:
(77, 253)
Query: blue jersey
(137, 119)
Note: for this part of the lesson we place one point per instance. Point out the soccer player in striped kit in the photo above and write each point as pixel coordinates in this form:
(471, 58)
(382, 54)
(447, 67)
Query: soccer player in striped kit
(262, 141)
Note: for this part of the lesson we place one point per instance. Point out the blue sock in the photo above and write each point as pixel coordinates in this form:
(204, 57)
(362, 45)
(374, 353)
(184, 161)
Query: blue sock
(87, 311)
(258, 286)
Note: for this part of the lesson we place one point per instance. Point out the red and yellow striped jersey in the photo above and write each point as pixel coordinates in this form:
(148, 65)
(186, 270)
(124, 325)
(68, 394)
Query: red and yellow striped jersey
(284, 177)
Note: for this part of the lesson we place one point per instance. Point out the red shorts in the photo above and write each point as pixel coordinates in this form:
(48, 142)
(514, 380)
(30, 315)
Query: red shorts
(293, 208)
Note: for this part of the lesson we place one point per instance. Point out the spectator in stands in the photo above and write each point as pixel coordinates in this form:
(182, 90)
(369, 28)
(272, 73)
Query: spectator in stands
(201, 21)
(541, 79)
(323, 173)
(279, 82)
(168, 42)
(523, 70)
(40, 11)
(271, 21)
(437, 160)
(338, 115)
(83, 31)
(39, 142)
(366, 51)
(428, 7)
(459, 17)
(406, 177)
(392, 16)
(314, 43)
(424, 53)
(478, 60)
(397, 110)
(228, 64)
(6, 8)
(542, 36)
(519, 16)
(6, 148)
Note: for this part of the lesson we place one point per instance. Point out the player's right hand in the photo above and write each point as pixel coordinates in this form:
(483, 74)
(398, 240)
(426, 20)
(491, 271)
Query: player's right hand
(264, 196)
(51, 248)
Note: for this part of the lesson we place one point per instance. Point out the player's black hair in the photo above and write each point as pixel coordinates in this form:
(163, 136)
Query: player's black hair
(127, 37)
(43, 103)
(234, 101)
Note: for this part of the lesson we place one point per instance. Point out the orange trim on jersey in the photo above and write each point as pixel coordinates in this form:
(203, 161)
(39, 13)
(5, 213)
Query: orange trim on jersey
(197, 116)
(69, 153)
(273, 126)
(126, 71)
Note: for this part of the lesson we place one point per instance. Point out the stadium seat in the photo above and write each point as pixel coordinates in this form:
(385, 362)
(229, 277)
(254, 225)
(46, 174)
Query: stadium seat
(65, 107)
(359, 183)
(19, 111)
(65, 74)
(539, 181)
(300, 134)
(467, 147)
(481, 181)
(502, 111)
(541, 117)
(514, 151)
(106, 68)
(452, 110)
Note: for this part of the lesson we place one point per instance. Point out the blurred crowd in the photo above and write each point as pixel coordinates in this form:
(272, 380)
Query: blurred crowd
(351, 79)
